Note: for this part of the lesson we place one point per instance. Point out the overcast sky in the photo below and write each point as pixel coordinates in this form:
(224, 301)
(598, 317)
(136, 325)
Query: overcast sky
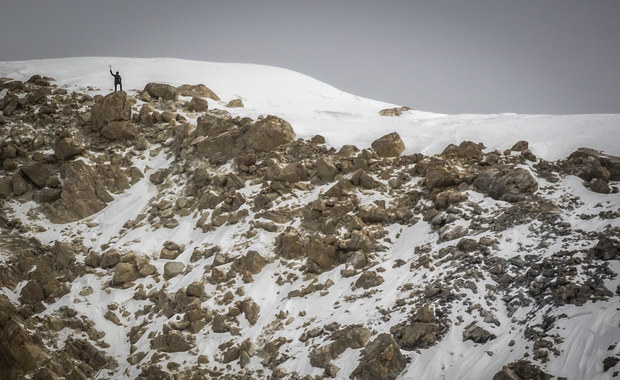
(452, 56)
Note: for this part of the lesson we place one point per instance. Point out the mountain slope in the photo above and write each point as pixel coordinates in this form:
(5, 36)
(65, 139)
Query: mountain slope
(150, 236)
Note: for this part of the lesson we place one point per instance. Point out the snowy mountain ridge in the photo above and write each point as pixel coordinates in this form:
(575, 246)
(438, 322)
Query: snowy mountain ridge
(243, 221)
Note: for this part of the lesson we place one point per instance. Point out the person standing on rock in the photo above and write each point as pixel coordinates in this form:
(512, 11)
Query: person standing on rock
(117, 80)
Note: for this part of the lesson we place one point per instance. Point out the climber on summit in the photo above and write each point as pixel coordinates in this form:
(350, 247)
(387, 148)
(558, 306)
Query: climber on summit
(117, 80)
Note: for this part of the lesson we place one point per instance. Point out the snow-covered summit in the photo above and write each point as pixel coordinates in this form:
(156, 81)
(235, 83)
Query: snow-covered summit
(313, 107)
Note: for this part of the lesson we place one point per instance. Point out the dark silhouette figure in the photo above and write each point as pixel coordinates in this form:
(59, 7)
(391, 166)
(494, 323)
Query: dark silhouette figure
(117, 80)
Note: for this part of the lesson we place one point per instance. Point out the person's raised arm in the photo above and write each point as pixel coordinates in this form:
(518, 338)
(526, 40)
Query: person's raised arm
(111, 73)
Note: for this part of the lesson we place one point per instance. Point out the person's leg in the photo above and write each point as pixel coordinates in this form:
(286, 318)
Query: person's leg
(120, 85)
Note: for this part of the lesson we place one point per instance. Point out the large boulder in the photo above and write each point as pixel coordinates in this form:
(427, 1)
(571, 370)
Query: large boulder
(162, 91)
(37, 172)
(197, 105)
(119, 130)
(67, 148)
(381, 359)
(268, 133)
(390, 145)
(197, 90)
(115, 106)
(125, 272)
(466, 149)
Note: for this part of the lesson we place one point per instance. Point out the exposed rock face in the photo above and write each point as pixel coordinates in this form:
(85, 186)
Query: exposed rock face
(390, 145)
(115, 106)
(162, 91)
(197, 90)
(381, 359)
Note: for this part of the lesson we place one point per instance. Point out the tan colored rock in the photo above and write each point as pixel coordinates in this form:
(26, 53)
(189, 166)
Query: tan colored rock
(173, 269)
(115, 106)
(325, 169)
(162, 91)
(197, 90)
(381, 359)
(390, 145)
(197, 105)
(268, 133)
(125, 272)
(119, 130)
(68, 148)
(235, 103)
(37, 172)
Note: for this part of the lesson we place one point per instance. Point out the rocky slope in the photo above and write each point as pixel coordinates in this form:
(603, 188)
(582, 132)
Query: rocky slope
(156, 235)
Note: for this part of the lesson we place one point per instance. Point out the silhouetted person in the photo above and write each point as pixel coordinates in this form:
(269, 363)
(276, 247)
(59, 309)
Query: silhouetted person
(117, 80)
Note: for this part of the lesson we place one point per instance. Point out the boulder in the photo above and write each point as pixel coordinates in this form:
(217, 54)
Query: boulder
(197, 90)
(119, 130)
(381, 359)
(607, 249)
(466, 150)
(288, 245)
(197, 105)
(173, 269)
(20, 186)
(440, 174)
(162, 91)
(589, 164)
(6, 187)
(325, 169)
(390, 145)
(173, 341)
(268, 133)
(521, 370)
(37, 172)
(353, 337)
(125, 272)
(68, 148)
(477, 334)
(235, 103)
(320, 253)
(225, 143)
(115, 106)
(292, 173)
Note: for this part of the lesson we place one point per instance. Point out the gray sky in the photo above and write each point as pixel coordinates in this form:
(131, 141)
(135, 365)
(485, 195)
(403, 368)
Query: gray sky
(452, 56)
